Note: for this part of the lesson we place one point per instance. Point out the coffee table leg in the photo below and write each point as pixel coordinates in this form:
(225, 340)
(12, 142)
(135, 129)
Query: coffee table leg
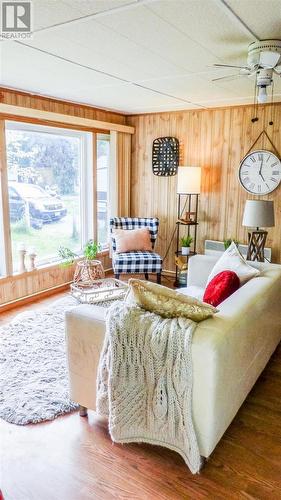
(83, 412)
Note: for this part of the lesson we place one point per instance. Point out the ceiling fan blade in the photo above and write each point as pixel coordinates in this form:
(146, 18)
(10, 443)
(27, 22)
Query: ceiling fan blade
(278, 72)
(229, 66)
(268, 59)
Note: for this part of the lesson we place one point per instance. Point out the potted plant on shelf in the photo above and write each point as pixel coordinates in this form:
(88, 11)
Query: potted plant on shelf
(88, 269)
(185, 244)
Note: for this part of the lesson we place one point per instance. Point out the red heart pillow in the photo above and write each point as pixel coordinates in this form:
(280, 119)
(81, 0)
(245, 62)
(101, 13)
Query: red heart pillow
(221, 287)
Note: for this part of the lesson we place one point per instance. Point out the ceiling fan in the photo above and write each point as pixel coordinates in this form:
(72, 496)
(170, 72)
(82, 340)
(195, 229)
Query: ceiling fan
(264, 60)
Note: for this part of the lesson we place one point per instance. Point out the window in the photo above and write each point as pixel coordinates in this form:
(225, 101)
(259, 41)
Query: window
(103, 159)
(50, 190)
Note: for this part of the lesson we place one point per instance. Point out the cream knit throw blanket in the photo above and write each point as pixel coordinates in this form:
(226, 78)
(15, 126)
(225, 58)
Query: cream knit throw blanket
(145, 380)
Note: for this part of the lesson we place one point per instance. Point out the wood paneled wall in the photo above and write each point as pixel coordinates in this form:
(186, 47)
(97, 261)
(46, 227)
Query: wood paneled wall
(23, 285)
(27, 100)
(215, 140)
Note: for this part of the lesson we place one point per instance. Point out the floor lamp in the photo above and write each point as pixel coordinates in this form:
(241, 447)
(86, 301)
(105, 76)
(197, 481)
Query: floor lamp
(257, 213)
(188, 190)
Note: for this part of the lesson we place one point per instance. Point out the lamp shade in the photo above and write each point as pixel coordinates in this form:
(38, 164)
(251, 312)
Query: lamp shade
(189, 180)
(258, 213)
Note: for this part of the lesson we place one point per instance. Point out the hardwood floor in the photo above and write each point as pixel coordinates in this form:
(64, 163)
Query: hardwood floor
(73, 458)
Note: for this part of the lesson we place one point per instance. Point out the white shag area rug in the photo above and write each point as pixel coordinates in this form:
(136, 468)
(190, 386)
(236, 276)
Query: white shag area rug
(33, 365)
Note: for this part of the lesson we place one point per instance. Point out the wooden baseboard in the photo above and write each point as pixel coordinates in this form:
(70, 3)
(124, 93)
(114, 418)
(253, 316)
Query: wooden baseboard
(34, 297)
(166, 272)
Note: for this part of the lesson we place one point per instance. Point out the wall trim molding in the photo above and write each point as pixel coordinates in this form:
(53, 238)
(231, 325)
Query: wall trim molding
(9, 111)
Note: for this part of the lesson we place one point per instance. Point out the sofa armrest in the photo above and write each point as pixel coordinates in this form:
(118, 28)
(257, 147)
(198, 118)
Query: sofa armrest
(230, 350)
(199, 268)
(85, 330)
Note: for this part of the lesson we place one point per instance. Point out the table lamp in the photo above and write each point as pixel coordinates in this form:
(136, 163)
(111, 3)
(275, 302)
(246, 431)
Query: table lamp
(257, 213)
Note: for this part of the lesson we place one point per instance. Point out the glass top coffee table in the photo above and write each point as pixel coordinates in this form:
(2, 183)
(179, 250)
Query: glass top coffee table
(103, 290)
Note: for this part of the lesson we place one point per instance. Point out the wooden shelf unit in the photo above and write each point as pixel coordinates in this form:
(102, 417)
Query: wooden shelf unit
(192, 200)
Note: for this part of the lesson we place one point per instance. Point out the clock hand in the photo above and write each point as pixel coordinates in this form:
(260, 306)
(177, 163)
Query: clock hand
(261, 167)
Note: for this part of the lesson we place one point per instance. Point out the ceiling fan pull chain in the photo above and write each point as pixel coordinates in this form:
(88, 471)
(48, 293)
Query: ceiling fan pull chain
(271, 107)
(255, 118)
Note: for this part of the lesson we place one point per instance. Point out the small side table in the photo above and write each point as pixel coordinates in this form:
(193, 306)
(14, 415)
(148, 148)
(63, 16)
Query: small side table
(178, 283)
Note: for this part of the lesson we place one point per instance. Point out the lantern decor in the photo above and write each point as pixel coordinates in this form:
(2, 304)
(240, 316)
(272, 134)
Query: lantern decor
(87, 269)
(165, 156)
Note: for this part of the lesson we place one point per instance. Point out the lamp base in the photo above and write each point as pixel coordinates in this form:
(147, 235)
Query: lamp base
(256, 244)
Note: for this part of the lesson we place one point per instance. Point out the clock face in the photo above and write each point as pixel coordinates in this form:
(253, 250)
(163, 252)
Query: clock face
(260, 172)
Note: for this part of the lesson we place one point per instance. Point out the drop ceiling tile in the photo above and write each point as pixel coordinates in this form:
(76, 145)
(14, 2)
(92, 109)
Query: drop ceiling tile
(115, 55)
(262, 16)
(50, 12)
(128, 96)
(191, 88)
(163, 108)
(88, 7)
(23, 68)
(209, 24)
(146, 29)
(28, 69)
(277, 84)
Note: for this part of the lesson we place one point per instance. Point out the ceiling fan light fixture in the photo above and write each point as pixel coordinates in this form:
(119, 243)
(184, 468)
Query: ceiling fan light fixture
(264, 54)
(262, 95)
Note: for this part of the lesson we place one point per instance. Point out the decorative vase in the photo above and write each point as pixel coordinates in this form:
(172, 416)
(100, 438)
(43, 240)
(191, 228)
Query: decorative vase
(22, 254)
(185, 250)
(87, 271)
(32, 256)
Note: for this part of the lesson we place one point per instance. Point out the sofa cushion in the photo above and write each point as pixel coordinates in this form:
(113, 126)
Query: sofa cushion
(232, 260)
(221, 287)
(167, 303)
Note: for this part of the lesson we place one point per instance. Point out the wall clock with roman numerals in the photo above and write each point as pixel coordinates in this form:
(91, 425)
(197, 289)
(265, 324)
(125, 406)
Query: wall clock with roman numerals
(260, 172)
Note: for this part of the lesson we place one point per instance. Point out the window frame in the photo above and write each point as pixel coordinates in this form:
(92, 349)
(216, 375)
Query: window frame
(88, 186)
(100, 136)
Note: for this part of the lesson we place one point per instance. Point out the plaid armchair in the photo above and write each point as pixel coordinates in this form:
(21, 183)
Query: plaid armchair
(136, 262)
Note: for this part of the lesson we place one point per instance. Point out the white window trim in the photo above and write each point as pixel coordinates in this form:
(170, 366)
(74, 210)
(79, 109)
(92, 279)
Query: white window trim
(113, 177)
(87, 200)
(110, 188)
(3, 256)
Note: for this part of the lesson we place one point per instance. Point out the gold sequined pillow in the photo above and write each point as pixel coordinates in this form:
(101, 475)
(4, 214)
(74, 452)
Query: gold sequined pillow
(166, 302)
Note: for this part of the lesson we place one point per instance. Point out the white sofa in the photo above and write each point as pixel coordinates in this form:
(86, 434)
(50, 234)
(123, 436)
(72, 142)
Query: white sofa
(229, 350)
